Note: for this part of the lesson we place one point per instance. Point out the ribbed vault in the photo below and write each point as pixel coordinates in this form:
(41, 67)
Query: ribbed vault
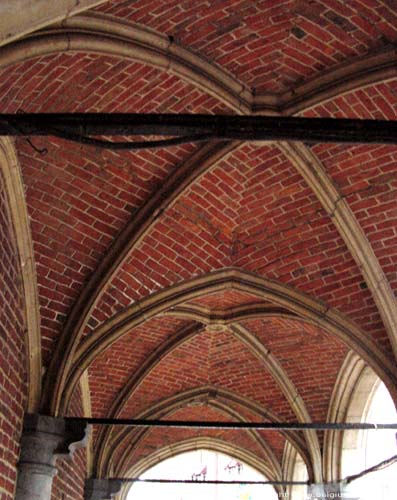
(226, 280)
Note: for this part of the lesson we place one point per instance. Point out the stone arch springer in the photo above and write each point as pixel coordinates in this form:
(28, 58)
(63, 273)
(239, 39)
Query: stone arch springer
(352, 395)
(349, 376)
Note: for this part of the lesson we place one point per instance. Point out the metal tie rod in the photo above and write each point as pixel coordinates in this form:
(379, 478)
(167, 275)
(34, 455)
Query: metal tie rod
(271, 426)
(206, 481)
(232, 127)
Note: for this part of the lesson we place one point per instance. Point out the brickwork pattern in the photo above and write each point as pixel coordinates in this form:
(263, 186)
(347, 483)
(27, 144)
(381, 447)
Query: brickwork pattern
(251, 210)
(81, 199)
(109, 373)
(157, 438)
(210, 358)
(260, 216)
(224, 300)
(13, 376)
(68, 484)
(271, 46)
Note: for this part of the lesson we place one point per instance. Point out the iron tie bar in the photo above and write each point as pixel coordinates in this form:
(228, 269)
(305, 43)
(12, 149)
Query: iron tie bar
(208, 481)
(273, 426)
(189, 127)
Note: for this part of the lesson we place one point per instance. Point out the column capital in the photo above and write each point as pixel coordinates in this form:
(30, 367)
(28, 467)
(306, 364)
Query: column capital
(43, 440)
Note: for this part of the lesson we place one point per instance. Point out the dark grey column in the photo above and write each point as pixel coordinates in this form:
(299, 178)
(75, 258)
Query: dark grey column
(44, 439)
(101, 489)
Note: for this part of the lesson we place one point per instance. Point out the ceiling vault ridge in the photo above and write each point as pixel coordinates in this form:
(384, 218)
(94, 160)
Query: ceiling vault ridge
(184, 335)
(11, 172)
(315, 175)
(105, 34)
(287, 387)
(301, 304)
(87, 32)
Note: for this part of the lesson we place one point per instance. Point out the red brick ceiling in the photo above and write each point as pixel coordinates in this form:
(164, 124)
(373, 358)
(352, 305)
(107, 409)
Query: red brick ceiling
(248, 208)
(269, 45)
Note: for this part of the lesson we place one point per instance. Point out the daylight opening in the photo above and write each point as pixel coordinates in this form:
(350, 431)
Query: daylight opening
(364, 449)
(201, 465)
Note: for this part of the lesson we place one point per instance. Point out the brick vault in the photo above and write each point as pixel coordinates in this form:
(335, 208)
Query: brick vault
(224, 280)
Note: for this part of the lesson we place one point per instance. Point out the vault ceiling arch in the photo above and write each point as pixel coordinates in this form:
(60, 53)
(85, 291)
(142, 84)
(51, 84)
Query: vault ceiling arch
(384, 301)
(85, 32)
(225, 409)
(124, 444)
(373, 68)
(307, 308)
(12, 175)
(219, 397)
(225, 400)
(269, 362)
(377, 67)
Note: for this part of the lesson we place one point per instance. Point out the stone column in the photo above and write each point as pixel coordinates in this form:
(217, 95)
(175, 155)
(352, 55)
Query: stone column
(101, 489)
(44, 439)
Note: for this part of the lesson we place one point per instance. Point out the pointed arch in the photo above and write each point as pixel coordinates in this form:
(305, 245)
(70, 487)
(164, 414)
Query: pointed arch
(315, 175)
(272, 291)
(223, 400)
(349, 375)
(16, 197)
(212, 444)
(256, 348)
